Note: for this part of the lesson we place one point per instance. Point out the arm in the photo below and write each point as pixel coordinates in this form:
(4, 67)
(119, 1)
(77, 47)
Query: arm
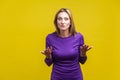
(83, 49)
(82, 59)
(48, 60)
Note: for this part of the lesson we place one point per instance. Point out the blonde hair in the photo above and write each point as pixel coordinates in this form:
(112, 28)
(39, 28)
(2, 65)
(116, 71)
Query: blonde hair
(72, 26)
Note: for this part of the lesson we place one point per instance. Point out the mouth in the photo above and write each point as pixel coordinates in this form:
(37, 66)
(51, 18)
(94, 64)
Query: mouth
(62, 25)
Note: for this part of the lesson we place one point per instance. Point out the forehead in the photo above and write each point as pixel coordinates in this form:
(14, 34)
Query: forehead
(63, 14)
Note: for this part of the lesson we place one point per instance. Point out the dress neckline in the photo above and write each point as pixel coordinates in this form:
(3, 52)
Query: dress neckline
(63, 37)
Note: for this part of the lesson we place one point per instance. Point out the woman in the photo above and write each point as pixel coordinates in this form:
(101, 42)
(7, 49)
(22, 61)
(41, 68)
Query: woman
(65, 48)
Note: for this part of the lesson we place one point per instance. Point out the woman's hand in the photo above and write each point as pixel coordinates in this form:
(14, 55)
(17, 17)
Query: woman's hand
(84, 49)
(48, 52)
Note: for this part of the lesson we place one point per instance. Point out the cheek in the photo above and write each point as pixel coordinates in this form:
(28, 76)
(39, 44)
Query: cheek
(58, 22)
(68, 23)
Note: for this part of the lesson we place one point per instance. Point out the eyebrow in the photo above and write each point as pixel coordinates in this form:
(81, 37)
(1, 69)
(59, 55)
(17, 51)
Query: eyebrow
(63, 17)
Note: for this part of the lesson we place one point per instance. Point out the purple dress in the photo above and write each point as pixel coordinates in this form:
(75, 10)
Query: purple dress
(65, 56)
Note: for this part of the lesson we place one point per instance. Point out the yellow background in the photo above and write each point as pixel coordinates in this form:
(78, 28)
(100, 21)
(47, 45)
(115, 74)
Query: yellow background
(24, 25)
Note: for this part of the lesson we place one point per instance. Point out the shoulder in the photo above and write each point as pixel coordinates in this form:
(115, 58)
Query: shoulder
(51, 35)
(80, 38)
(79, 35)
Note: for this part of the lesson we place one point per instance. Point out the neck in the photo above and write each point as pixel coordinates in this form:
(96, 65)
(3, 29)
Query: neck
(64, 33)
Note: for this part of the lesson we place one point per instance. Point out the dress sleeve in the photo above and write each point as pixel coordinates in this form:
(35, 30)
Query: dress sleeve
(48, 44)
(82, 60)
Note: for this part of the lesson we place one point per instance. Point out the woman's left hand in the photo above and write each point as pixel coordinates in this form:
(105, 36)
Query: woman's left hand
(84, 49)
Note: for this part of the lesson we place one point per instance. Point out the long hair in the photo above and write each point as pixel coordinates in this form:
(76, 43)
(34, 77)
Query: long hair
(72, 26)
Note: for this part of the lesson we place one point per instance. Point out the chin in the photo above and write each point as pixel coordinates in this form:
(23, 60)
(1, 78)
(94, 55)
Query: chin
(63, 29)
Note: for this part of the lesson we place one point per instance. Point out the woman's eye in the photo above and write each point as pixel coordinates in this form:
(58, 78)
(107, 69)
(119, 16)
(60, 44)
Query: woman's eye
(66, 19)
(59, 18)
(62, 18)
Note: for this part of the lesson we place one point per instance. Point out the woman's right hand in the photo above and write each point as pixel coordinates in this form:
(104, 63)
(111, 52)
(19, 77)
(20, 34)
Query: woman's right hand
(48, 52)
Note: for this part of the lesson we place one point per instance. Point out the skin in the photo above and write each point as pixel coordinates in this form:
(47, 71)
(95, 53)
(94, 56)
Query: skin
(63, 23)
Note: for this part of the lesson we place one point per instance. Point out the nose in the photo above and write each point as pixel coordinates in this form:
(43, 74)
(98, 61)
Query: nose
(62, 21)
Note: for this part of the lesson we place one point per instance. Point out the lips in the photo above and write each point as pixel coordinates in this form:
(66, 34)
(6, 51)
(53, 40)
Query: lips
(62, 25)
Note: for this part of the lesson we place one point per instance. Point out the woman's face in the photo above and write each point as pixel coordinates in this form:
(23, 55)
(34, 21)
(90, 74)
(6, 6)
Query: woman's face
(63, 21)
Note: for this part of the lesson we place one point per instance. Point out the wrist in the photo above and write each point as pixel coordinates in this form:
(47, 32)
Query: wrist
(83, 54)
(48, 57)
